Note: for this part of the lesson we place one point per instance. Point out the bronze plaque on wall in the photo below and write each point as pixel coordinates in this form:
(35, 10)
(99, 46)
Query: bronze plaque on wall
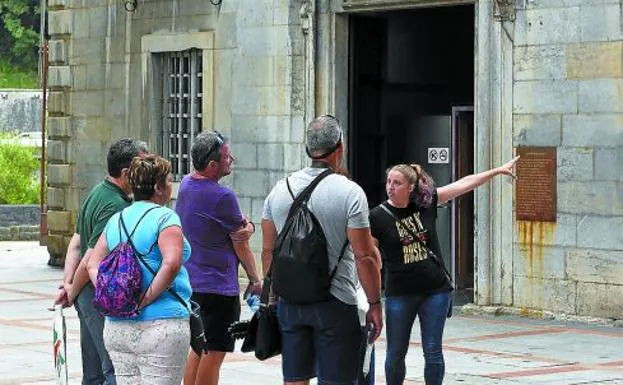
(535, 188)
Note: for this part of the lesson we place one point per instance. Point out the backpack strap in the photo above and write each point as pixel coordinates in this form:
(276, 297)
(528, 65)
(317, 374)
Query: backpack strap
(129, 236)
(304, 196)
(125, 230)
(290, 189)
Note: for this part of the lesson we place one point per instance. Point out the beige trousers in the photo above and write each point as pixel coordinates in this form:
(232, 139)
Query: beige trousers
(148, 352)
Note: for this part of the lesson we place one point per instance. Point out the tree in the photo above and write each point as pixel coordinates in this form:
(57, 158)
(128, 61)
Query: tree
(19, 32)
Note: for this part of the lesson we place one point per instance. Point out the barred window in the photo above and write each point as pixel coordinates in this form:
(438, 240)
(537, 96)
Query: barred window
(181, 104)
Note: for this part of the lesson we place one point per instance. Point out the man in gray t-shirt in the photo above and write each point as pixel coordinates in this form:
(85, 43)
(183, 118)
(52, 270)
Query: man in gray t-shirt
(323, 339)
(338, 204)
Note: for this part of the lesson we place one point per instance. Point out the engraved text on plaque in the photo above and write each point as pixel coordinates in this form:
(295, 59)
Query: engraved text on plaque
(535, 194)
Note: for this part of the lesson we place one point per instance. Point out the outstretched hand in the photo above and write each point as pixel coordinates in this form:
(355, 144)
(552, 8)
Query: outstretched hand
(507, 168)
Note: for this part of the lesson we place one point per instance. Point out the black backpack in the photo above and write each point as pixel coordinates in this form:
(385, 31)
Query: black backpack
(300, 258)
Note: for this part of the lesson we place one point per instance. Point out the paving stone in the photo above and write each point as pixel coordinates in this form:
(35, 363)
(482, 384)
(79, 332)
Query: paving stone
(478, 349)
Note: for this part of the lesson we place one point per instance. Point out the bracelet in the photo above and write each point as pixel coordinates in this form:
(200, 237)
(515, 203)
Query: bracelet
(252, 225)
(377, 302)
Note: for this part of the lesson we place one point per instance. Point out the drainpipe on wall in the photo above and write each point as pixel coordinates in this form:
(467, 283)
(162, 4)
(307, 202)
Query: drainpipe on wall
(324, 45)
(308, 13)
(43, 218)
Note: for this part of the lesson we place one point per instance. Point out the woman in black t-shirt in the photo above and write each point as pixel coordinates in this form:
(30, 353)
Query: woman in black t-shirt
(415, 281)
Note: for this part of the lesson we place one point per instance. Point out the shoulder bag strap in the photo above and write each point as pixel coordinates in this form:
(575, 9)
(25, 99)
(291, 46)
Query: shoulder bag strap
(169, 289)
(144, 262)
(339, 259)
(417, 239)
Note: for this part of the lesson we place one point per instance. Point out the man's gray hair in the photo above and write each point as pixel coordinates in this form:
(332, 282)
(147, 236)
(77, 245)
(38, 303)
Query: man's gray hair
(322, 135)
(206, 142)
(143, 147)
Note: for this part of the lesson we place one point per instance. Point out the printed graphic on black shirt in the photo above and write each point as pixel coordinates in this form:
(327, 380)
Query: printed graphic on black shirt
(412, 250)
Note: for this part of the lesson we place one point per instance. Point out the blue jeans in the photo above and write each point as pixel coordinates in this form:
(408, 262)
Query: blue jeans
(400, 313)
(97, 369)
(322, 339)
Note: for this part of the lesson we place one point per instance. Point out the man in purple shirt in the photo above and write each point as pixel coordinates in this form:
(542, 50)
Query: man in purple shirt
(218, 233)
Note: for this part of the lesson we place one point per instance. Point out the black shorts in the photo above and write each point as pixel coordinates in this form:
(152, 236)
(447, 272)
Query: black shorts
(217, 313)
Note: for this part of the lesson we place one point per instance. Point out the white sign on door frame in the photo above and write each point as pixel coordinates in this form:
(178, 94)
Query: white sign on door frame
(438, 155)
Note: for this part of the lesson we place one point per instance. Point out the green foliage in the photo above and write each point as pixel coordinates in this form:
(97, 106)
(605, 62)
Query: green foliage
(13, 76)
(19, 32)
(19, 169)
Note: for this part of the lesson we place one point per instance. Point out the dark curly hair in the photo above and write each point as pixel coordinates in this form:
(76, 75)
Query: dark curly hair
(145, 173)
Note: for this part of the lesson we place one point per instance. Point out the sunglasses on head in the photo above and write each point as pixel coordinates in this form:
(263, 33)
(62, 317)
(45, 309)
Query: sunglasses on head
(219, 142)
(339, 125)
(329, 152)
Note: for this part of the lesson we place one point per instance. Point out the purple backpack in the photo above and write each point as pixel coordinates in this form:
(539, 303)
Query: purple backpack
(119, 277)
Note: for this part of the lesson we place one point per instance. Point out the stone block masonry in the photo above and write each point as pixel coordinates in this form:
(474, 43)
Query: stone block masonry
(19, 222)
(60, 158)
(19, 233)
(568, 93)
(14, 215)
(103, 87)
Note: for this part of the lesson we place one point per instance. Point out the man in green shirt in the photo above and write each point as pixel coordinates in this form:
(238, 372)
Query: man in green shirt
(105, 199)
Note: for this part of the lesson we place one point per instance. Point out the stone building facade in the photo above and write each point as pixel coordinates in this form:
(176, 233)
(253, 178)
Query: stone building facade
(545, 73)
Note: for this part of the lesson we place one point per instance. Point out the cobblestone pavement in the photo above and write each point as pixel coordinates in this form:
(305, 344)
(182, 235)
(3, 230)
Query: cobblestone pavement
(478, 349)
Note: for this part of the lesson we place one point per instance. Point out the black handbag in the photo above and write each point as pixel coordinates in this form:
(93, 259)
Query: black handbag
(197, 332)
(263, 335)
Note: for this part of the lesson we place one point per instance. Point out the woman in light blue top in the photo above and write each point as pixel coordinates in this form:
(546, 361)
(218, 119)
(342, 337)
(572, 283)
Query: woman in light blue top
(150, 348)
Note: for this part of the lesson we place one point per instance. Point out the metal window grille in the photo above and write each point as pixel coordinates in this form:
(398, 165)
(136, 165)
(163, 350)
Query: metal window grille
(181, 107)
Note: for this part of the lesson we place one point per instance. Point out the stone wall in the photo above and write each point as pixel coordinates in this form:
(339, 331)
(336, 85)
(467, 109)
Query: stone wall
(11, 215)
(20, 110)
(20, 233)
(568, 93)
(101, 77)
(19, 222)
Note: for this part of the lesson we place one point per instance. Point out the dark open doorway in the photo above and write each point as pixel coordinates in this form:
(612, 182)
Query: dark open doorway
(412, 92)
